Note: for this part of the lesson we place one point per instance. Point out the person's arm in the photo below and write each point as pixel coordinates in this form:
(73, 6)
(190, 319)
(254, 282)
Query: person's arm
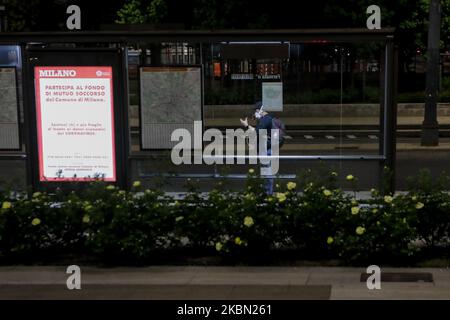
(246, 125)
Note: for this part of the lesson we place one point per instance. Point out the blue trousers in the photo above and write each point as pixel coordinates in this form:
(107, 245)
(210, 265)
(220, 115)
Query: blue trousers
(268, 182)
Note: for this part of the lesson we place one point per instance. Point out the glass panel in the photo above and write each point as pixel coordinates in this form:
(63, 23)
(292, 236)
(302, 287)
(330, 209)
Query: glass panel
(9, 101)
(13, 174)
(330, 100)
(329, 96)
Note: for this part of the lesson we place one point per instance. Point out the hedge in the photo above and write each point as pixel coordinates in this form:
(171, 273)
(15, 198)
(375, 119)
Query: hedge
(311, 218)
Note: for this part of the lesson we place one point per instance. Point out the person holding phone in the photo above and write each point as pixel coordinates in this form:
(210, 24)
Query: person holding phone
(264, 121)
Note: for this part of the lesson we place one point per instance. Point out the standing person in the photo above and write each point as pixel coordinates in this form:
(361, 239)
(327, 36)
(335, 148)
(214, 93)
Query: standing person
(264, 122)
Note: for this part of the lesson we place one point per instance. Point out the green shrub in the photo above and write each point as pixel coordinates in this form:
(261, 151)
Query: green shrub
(198, 218)
(39, 226)
(314, 217)
(432, 221)
(311, 216)
(377, 231)
(128, 225)
(250, 222)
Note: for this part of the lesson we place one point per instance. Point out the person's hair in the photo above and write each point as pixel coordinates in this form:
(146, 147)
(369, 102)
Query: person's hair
(258, 105)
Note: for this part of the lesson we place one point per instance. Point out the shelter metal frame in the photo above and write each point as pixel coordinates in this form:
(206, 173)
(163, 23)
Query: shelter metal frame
(386, 156)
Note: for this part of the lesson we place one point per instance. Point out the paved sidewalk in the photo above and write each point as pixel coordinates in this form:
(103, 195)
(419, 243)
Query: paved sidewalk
(232, 283)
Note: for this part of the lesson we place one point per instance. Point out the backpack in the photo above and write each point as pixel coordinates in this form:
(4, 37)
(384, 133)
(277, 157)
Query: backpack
(278, 124)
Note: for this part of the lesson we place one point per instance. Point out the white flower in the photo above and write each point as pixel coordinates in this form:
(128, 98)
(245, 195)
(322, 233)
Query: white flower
(248, 221)
(360, 230)
(281, 196)
(136, 184)
(291, 185)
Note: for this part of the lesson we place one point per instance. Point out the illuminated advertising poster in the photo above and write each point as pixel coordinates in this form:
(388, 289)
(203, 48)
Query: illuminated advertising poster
(75, 126)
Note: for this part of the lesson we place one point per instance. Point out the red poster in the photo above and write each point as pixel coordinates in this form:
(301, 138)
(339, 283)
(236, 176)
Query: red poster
(75, 123)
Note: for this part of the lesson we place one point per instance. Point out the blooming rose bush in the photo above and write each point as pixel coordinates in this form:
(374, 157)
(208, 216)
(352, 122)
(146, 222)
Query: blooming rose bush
(39, 226)
(311, 216)
(377, 230)
(128, 225)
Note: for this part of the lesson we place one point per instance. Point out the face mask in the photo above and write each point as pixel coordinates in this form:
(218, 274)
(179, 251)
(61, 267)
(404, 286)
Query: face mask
(258, 115)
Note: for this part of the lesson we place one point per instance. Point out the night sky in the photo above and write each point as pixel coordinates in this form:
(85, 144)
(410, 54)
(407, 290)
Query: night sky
(51, 14)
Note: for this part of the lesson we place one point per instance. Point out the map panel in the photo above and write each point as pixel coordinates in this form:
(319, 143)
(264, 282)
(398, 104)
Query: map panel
(171, 98)
(9, 119)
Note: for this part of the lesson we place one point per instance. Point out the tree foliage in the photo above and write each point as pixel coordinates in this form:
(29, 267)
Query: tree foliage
(137, 12)
(410, 18)
(22, 16)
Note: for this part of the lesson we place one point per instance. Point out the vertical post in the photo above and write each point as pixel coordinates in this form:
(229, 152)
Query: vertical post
(126, 174)
(382, 121)
(394, 115)
(297, 94)
(27, 121)
(390, 114)
(430, 127)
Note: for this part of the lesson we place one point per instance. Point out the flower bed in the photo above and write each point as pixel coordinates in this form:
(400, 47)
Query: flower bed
(311, 218)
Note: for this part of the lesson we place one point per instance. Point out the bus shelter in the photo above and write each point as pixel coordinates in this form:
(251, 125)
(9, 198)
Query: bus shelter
(78, 106)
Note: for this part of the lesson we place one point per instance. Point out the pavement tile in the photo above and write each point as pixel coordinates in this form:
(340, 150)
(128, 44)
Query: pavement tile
(250, 278)
(166, 292)
(392, 292)
(215, 283)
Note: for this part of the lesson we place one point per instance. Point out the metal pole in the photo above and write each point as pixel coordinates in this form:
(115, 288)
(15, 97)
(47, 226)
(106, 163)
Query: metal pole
(29, 125)
(430, 127)
(26, 134)
(125, 128)
(390, 114)
(382, 140)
